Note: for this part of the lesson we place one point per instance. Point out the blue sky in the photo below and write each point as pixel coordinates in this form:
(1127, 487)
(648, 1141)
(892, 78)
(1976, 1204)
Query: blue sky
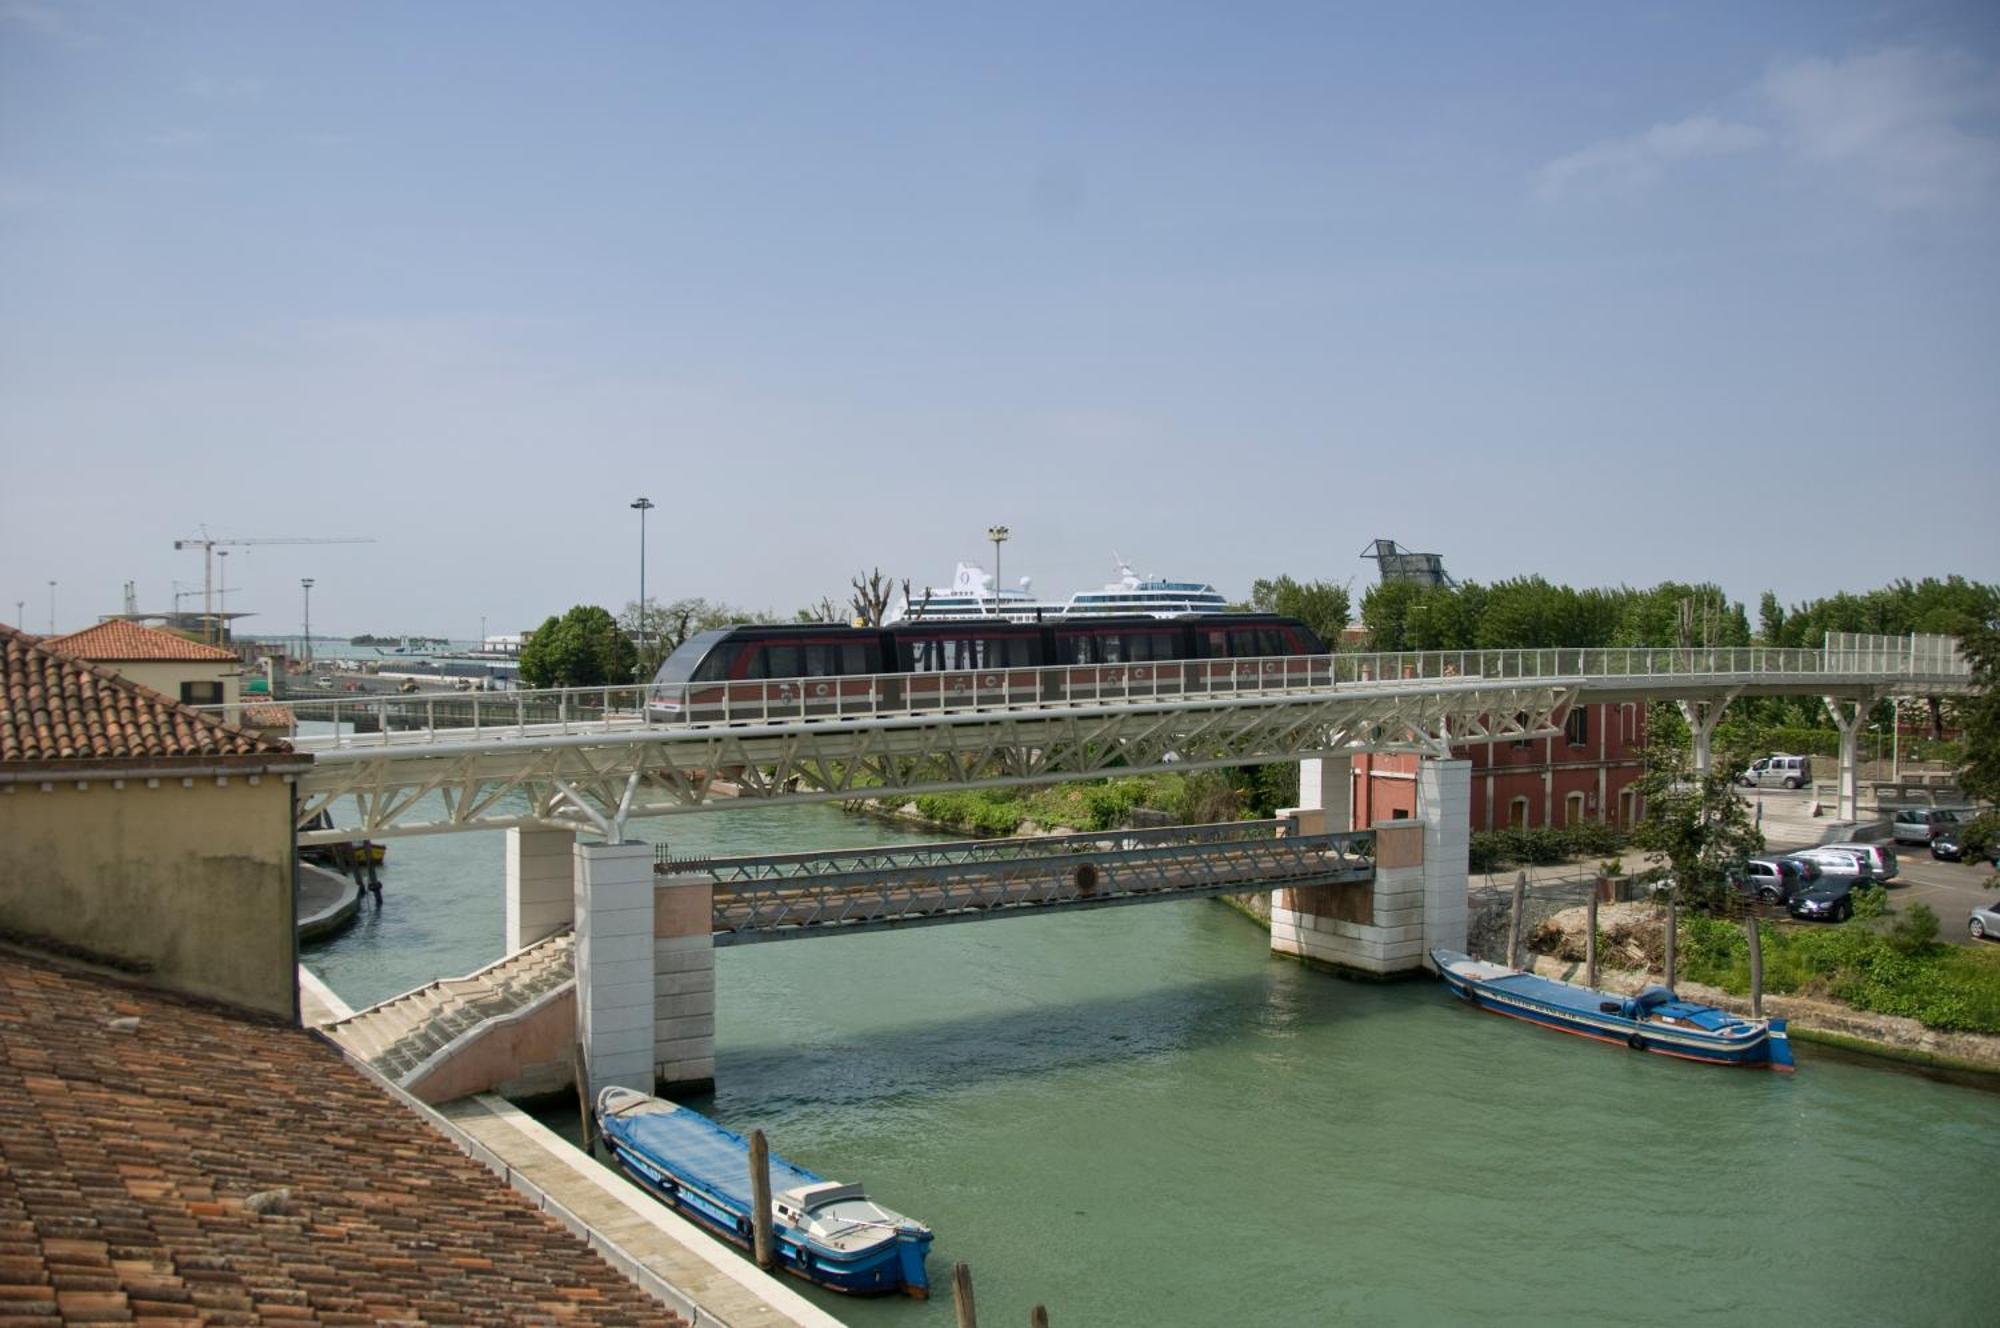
(1612, 293)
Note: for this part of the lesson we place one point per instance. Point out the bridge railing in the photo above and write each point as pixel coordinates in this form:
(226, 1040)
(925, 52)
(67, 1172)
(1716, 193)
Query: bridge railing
(428, 716)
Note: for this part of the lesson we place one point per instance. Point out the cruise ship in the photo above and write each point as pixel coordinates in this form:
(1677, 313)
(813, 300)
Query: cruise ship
(972, 594)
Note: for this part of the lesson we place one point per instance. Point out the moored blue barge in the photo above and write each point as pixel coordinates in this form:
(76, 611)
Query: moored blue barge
(831, 1234)
(1655, 1020)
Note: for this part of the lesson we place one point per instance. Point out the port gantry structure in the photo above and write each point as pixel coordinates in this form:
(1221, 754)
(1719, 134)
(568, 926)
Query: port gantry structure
(590, 759)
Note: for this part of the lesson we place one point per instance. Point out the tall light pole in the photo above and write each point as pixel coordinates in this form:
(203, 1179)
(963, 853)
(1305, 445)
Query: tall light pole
(998, 534)
(642, 506)
(222, 596)
(21, 614)
(52, 608)
(306, 584)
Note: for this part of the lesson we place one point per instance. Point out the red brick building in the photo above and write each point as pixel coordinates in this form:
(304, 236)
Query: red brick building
(1588, 772)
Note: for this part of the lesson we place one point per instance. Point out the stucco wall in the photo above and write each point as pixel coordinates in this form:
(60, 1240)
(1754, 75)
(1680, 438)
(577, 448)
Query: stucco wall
(195, 882)
(166, 676)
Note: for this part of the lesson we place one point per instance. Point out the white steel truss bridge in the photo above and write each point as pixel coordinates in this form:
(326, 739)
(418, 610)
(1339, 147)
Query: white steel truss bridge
(589, 759)
(794, 895)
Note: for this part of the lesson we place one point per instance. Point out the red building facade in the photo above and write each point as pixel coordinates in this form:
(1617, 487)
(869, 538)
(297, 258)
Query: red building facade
(1588, 772)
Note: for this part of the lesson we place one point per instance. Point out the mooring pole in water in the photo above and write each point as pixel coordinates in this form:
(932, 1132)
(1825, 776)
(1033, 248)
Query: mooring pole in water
(1756, 964)
(1038, 1317)
(1673, 928)
(1590, 940)
(961, 1296)
(1514, 921)
(760, 1197)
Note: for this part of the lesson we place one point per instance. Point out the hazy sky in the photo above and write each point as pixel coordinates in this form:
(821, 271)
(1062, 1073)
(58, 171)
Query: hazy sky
(1613, 293)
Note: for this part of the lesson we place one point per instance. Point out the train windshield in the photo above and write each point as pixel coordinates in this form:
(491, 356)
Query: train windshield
(680, 666)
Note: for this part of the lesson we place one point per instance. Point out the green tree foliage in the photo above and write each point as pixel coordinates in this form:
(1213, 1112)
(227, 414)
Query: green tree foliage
(1696, 827)
(1320, 605)
(584, 648)
(1979, 774)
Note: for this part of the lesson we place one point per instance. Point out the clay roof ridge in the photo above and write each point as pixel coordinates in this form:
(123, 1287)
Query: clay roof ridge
(123, 640)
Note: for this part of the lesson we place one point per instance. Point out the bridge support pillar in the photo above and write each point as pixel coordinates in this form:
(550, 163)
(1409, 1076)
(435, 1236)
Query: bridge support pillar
(1444, 806)
(1702, 717)
(1375, 929)
(541, 890)
(684, 983)
(614, 963)
(1847, 716)
(1326, 785)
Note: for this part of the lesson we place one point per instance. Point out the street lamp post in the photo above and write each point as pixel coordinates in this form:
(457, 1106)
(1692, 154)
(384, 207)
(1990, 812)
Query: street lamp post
(52, 608)
(998, 534)
(306, 584)
(222, 594)
(642, 506)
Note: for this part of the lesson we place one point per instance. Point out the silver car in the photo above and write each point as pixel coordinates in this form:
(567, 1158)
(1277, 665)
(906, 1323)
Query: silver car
(1879, 859)
(1985, 922)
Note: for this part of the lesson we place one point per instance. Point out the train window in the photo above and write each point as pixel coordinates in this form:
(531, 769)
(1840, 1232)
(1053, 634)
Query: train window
(1015, 652)
(1073, 649)
(781, 661)
(855, 657)
(1215, 644)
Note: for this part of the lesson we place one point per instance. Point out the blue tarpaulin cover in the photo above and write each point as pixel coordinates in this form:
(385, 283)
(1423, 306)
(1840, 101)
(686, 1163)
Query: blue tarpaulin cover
(692, 1146)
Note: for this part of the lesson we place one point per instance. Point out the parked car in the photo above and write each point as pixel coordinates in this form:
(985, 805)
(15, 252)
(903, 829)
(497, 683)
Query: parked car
(1838, 862)
(1945, 846)
(1776, 880)
(1830, 899)
(1920, 825)
(1878, 861)
(1984, 922)
(1778, 771)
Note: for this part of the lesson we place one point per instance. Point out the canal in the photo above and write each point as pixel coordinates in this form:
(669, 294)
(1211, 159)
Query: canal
(1136, 1116)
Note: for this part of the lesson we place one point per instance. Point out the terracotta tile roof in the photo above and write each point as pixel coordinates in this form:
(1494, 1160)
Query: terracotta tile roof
(119, 641)
(54, 707)
(267, 714)
(128, 1157)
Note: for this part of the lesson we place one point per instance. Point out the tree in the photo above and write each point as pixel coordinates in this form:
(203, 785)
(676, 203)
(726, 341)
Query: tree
(1320, 605)
(583, 648)
(1979, 772)
(1698, 828)
(871, 596)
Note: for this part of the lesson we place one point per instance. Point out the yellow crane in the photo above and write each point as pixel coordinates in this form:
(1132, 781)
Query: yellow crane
(208, 544)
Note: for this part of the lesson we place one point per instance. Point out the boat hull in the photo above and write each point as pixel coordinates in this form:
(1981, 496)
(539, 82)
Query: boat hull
(1763, 1044)
(885, 1268)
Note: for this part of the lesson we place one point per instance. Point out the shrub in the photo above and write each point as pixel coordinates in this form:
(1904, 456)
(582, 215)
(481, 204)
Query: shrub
(1980, 836)
(1871, 901)
(1916, 930)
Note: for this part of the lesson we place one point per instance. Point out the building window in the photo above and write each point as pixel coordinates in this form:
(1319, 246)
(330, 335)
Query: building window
(1517, 814)
(201, 693)
(1577, 727)
(1573, 809)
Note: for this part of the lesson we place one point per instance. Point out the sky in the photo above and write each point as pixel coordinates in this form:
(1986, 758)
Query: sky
(1607, 293)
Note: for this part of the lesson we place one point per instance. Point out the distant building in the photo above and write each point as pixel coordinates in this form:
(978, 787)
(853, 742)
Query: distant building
(1398, 564)
(1588, 772)
(177, 668)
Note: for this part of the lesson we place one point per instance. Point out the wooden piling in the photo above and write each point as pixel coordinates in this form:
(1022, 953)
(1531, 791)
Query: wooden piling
(961, 1296)
(1673, 934)
(760, 1198)
(1514, 920)
(1590, 940)
(1038, 1317)
(1756, 938)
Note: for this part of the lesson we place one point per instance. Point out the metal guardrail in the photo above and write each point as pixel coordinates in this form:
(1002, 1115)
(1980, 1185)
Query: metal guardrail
(560, 711)
(791, 895)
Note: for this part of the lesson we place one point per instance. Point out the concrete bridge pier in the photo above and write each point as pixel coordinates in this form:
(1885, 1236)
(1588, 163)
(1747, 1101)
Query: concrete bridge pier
(541, 890)
(614, 963)
(1702, 717)
(1326, 787)
(684, 983)
(1848, 715)
(1444, 806)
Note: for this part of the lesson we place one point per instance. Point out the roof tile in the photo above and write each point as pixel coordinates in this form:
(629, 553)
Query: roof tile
(118, 641)
(55, 707)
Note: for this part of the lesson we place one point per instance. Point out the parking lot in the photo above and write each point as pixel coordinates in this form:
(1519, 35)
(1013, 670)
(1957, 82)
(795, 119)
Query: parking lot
(1951, 889)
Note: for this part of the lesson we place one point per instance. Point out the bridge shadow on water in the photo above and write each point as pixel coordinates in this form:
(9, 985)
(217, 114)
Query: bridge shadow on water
(974, 1053)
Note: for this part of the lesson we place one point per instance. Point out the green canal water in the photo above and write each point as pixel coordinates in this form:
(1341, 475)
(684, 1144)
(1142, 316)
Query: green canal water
(1137, 1116)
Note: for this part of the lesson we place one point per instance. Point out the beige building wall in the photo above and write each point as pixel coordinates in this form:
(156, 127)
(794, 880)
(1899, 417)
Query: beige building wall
(166, 676)
(194, 882)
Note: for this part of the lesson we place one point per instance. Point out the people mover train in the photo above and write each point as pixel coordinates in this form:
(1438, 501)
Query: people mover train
(745, 673)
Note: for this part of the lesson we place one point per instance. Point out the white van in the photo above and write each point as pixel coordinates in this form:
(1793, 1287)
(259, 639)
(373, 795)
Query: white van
(1778, 771)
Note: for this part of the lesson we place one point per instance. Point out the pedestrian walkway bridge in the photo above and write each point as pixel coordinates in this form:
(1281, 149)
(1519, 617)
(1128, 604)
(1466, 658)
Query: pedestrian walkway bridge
(791, 895)
(591, 758)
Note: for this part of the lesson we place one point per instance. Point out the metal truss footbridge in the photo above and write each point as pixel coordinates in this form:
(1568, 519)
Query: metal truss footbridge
(591, 758)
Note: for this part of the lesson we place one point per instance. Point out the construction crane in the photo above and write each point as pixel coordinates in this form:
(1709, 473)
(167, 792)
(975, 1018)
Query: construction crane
(208, 544)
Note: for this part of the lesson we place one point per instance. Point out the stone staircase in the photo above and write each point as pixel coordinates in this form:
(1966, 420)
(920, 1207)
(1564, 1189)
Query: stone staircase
(402, 1038)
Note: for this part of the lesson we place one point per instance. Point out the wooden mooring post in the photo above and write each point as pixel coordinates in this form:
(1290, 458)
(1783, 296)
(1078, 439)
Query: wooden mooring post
(1590, 941)
(1514, 920)
(1756, 938)
(760, 1199)
(1673, 932)
(1038, 1317)
(961, 1296)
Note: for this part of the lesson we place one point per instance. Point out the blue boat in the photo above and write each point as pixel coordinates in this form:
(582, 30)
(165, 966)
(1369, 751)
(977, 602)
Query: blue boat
(831, 1234)
(1655, 1020)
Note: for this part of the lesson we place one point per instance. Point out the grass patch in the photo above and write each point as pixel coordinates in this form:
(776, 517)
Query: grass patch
(1952, 988)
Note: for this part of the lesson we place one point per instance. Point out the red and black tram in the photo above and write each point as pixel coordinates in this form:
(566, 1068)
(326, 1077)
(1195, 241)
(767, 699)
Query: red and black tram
(748, 672)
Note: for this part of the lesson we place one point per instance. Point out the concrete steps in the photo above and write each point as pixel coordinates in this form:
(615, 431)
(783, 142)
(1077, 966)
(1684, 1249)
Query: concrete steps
(401, 1034)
